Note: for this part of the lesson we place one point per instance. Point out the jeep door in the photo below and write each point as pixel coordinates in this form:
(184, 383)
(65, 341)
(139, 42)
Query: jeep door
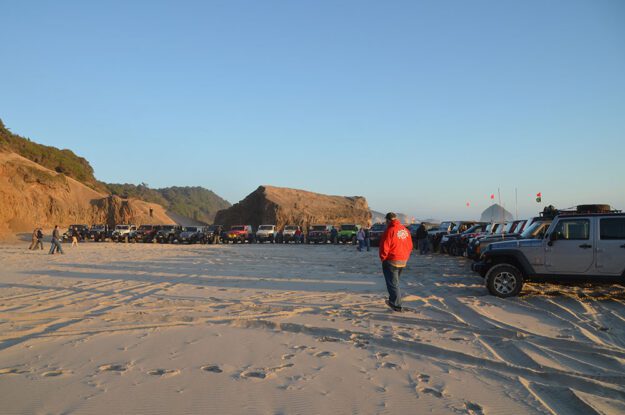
(611, 246)
(572, 252)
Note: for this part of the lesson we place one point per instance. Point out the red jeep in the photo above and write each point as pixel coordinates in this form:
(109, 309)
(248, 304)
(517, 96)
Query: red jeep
(239, 234)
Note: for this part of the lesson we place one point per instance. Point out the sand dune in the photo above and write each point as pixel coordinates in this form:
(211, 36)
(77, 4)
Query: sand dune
(294, 329)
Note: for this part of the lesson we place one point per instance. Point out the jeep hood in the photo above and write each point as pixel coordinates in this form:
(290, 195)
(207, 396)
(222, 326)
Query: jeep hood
(522, 243)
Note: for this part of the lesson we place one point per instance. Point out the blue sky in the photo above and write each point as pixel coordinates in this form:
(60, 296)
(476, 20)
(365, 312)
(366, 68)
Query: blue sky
(418, 106)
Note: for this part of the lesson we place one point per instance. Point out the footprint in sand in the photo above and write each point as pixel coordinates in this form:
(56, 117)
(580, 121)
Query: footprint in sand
(325, 354)
(389, 365)
(257, 374)
(380, 355)
(113, 368)
(329, 339)
(52, 373)
(433, 392)
(264, 373)
(424, 378)
(163, 372)
(288, 356)
(301, 347)
(212, 369)
(10, 371)
(473, 408)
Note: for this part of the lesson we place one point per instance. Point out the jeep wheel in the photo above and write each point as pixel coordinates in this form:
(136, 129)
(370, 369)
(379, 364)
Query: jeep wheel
(504, 281)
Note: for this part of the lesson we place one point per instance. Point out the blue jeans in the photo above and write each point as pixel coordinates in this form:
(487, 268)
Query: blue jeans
(423, 246)
(391, 276)
(368, 243)
(361, 245)
(55, 245)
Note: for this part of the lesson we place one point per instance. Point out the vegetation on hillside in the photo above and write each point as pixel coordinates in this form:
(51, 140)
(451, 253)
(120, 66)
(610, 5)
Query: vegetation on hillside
(61, 161)
(193, 202)
(197, 203)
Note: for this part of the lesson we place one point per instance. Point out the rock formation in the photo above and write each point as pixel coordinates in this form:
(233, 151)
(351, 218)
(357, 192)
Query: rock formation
(283, 206)
(32, 195)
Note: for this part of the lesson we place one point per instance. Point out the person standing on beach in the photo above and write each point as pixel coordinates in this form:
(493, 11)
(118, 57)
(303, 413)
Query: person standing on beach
(368, 238)
(334, 236)
(56, 244)
(395, 249)
(422, 238)
(360, 237)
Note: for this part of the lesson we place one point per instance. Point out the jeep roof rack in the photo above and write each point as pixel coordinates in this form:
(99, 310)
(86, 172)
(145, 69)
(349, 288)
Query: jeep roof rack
(551, 212)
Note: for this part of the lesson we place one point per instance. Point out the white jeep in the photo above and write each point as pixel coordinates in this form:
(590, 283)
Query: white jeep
(266, 233)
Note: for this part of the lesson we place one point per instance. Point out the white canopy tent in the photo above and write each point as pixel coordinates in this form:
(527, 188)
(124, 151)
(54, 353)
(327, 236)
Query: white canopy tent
(496, 213)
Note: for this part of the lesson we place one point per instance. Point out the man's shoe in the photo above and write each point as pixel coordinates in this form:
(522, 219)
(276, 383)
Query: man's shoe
(393, 307)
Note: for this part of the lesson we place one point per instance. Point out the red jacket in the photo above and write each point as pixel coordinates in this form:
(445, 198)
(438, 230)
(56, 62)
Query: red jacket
(395, 243)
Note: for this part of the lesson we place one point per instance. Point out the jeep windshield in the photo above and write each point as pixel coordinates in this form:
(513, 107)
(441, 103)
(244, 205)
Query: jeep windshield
(318, 228)
(265, 228)
(535, 231)
(237, 228)
(378, 227)
(445, 226)
(122, 227)
(167, 227)
(508, 227)
(146, 227)
(290, 228)
(189, 229)
(348, 228)
(474, 229)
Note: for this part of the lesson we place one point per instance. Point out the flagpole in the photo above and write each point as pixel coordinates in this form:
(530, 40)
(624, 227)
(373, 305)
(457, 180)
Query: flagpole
(516, 203)
(499, 197)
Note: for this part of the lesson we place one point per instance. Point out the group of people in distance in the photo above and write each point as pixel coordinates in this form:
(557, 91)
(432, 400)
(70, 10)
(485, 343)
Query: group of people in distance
(37, 240)
(394, 251)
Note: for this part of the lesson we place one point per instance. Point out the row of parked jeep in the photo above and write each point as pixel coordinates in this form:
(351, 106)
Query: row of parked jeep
(217, 234)
(585, 243)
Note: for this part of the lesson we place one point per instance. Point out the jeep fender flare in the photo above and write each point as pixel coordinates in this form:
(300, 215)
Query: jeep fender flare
(511, 256)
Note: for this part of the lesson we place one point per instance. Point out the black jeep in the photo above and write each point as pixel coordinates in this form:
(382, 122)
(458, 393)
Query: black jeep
(168, 234)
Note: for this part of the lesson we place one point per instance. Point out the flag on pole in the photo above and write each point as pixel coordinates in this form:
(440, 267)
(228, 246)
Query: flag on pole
(492, 196)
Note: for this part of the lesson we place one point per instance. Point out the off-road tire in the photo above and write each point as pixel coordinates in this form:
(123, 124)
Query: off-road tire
(504, 280)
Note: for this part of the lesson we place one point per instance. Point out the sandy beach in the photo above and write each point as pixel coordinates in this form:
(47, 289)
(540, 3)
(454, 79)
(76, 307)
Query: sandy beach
(266, 329)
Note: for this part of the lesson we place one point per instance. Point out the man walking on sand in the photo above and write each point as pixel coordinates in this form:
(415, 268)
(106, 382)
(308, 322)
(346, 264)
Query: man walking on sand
(39, 242)
(74, 237)
(55, 241)
(395, 249)
(33, 242)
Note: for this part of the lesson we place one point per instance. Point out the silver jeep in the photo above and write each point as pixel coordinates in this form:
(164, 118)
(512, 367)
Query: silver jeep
(589, 246)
